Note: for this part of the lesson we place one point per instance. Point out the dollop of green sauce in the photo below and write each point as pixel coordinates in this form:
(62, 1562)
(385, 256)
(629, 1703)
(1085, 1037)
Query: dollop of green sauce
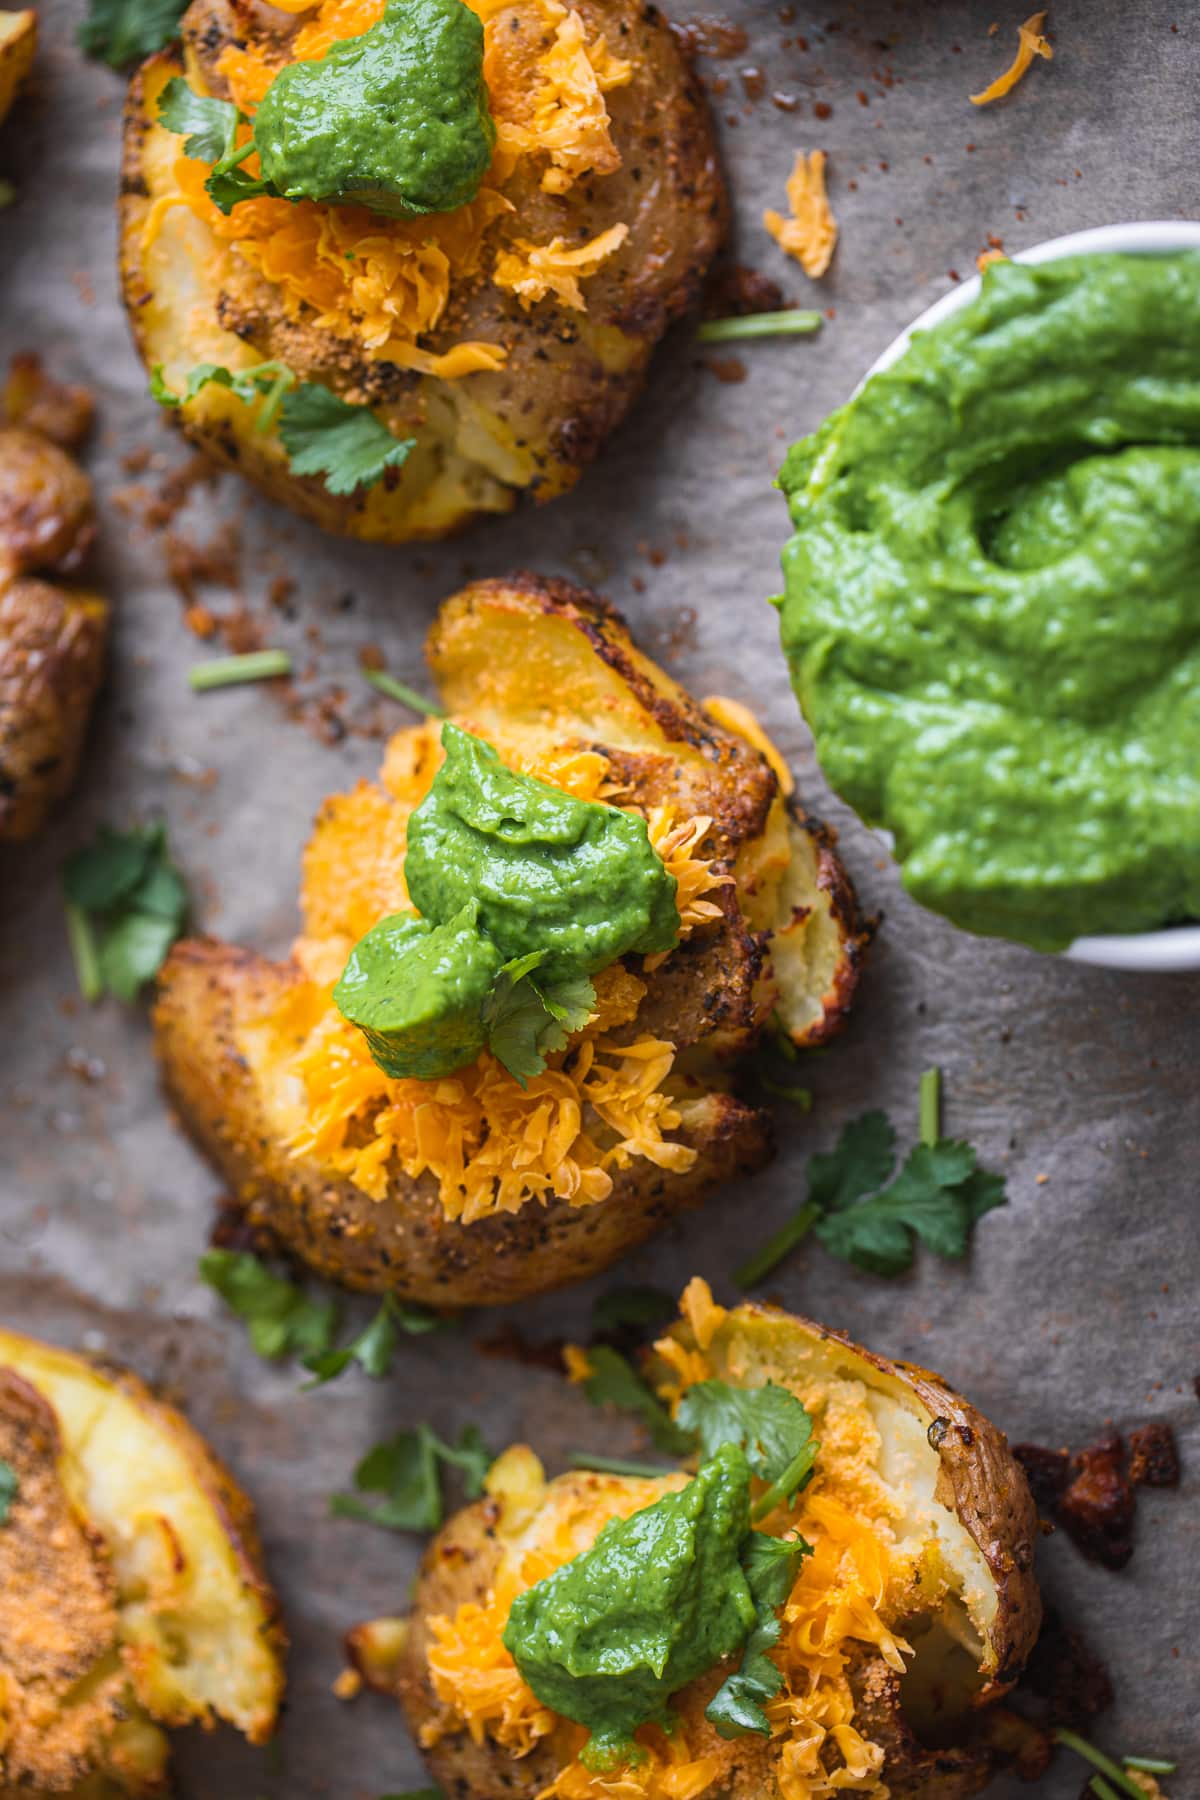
(992, 608)
(395, 119)
(658, 1599)
(502, 867)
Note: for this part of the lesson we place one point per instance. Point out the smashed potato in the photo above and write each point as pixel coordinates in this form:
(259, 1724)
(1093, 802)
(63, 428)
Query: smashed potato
(476, 1189)
(507, 338)
(911, 1617)
(132, 1594)
(18, 41)
(52, 634)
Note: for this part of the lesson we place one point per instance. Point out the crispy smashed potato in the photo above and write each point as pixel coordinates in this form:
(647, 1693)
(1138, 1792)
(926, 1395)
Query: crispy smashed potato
(475, 1190)
(18, 41)
(912, 1616)
(653, 200)
(132, 1595)
(52, 635)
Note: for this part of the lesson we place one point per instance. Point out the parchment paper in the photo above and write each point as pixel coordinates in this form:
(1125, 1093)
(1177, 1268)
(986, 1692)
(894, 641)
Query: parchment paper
(1078, 1305)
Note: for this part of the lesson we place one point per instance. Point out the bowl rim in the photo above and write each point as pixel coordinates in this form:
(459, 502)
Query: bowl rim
(1175, 948)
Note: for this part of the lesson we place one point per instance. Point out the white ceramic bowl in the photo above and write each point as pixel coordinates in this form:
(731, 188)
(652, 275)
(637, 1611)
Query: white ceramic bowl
(1177, 947)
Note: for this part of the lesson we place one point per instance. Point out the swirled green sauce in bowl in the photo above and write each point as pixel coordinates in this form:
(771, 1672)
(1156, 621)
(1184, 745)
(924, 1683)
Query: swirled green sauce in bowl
(992, 607)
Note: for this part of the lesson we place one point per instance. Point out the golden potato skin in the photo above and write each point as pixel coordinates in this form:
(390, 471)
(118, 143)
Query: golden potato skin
(52, 637)
(981, 1480)
(484, 440)
(402, 1244)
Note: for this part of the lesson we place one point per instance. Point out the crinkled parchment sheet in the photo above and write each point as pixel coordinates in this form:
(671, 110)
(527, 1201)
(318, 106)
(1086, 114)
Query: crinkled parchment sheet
(1079, 1303)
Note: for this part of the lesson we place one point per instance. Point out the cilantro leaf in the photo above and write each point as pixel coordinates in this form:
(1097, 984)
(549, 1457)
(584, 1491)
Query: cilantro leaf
(281, 1318)
(770, 1566)
(208, 127)
(527, 1021)
(346, 445)
(9, 1488)
(613, 1381)
(767, 1422)
(375, 1345)
(622, 1307)
(404, 1469)
(126, 905)
(119, 32)
(227, 184)
(937, 1198)
(245, 384)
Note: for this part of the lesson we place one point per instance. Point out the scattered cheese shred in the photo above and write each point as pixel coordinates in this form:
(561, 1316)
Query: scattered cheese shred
(386, 283)
(811, 234)
(833, 1616)
(1031, 43)
(531, 271)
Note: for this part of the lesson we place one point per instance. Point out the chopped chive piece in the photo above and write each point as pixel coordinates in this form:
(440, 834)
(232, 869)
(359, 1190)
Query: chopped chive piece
(931, 1106)
(85, 953)
(256, 665)
(791, 323)
(617, 1465)
(1123, 1783)
(777, 1247)
(399, 690)
(780, 1090)
(1150, 1765)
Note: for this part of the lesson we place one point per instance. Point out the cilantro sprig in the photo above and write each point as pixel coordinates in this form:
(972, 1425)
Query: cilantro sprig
(612, 1380)
(9, 1488)
(770, 1566)
(126, 905)
(346, 445)
(209, 129)
(406, 1471)
(869, 1216)
(768, 1423)
(120, 32)
(284, 1320)
(526, 1020)
(1113, 1778)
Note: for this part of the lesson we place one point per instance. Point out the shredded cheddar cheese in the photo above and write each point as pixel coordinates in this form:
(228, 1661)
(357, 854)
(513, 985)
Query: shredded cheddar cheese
(531, 271)
(386, 283)
(835, 1614)
(1031, 43)
(490, 1144)
(811, 233)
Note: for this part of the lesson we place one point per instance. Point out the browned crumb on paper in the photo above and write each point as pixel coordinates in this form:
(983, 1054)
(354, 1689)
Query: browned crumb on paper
(734, 290)
(1092, 1494)
(1030, 43)
(811, 232)
(58, 411)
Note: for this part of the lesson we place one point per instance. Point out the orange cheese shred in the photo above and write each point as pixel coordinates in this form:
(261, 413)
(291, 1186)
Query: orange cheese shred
(531, 271)
(1031, 43)
(811, 233)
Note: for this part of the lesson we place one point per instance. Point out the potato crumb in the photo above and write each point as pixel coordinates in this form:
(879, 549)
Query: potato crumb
(349, 1685)
(1031, 43)
(811, 234)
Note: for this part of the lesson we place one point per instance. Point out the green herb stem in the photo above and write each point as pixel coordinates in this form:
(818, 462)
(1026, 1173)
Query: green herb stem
(619, 1465)
(777, 1247)
(399, 690)
(1070, 1740)
(790, 323)
(1150, 1765)
(226, 671)
(801, 1097)
(84, 953)
(791, 1479)
(1098, 1786)
(273, 400)
(931, 1106)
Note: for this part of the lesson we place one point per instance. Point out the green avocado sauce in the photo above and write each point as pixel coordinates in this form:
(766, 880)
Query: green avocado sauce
(992, 606)
(395, 119)
(658, 1599)
(513, 878)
